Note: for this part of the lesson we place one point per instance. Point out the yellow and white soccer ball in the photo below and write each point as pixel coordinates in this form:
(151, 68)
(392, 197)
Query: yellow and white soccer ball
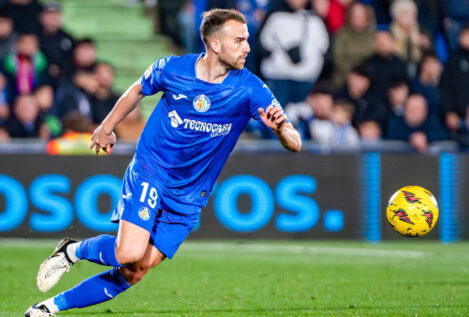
(412, 211)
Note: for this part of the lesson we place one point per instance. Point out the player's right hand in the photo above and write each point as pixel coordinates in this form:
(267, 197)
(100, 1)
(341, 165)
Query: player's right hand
(102, 140)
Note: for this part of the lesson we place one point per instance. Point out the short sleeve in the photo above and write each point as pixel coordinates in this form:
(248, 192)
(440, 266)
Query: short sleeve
(151, 79)
(262, 97)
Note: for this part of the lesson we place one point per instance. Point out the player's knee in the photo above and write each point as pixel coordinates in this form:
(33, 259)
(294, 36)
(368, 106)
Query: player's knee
(133, 275)
(127, 256)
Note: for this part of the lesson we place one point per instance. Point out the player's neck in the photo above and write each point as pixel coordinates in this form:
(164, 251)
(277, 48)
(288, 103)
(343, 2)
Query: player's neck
(210, 69)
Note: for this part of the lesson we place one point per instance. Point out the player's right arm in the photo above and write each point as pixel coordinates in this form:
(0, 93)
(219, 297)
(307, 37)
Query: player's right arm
(149, 84)
(104, 137)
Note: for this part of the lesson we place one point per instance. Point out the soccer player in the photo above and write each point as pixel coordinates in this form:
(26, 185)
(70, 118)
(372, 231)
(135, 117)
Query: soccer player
(208, 99)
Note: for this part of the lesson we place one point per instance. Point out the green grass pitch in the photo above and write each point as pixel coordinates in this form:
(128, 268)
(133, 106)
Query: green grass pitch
(264, 278)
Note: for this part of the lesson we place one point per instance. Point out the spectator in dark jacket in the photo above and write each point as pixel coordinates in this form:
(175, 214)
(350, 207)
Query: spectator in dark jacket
(25, 14)
(357, 90)
(56, 44)
(104, 99)
(8, 36)
(457, 15)
(84, 56)
(454, 84)
(416, 125)
(427, 82)
(26, 121)
(384, 65)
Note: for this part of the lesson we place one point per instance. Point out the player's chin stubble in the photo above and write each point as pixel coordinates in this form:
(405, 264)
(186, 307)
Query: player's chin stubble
(236, 65)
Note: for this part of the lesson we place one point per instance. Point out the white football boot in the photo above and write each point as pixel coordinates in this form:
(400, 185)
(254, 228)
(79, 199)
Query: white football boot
(52, 269)
(38, 311)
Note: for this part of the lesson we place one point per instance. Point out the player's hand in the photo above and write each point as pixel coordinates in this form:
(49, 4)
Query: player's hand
(102, 140)
(273, 117)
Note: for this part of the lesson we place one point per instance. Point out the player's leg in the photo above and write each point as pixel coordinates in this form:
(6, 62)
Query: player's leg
(101, 287)
(132, 249)
(128, 247)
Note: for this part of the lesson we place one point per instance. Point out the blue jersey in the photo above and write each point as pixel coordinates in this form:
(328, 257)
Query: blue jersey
(193, 129)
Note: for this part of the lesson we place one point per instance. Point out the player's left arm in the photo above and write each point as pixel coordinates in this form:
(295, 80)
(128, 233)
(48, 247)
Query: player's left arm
(274, 118)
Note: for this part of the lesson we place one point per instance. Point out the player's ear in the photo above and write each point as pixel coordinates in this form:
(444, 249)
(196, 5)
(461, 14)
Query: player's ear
(215, 45)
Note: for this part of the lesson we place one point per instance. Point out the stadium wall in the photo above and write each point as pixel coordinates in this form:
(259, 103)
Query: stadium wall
(340, 196)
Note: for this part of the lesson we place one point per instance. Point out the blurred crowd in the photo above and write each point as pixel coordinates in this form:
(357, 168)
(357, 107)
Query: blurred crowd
(51, 83)
(352, 73)
(348, 73)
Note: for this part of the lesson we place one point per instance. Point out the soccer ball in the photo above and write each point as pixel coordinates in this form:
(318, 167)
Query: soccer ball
(412, 211)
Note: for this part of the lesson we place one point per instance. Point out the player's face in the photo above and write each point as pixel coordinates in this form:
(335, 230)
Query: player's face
(234, 44)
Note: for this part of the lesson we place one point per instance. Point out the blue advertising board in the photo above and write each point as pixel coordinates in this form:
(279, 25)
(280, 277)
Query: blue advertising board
(260, 195)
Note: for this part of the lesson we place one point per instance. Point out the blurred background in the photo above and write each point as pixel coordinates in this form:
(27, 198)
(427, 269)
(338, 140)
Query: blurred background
(377, 88)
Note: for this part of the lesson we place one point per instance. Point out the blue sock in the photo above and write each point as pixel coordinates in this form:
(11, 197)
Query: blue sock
(94, 290)
(100, 249)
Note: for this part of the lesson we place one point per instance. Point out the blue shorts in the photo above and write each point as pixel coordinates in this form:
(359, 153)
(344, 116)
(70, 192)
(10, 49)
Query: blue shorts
(140, 204)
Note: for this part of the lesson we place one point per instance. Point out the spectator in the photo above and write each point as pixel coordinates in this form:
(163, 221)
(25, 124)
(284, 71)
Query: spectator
(103, 99)
(76, 96)
(255, 12)
(130, 128)
(4, 107)
(76, 136)
(454, 89)
(370, 132)
(294, 43)
(188, 34)
(338, 131)
(398, 92)
(44, 98)
(84, 56)
(354, 42)
(416, 125)
(317, 106)
(430, 15)
(26, 121)
(457, 15)
(8, 36)
(381, 8)
(408, 39)
(336, 14)
(25, 14)
(384, 65)
(358, 92)
(26, 68)
(321, 8)
(56, 44)
(428, 80)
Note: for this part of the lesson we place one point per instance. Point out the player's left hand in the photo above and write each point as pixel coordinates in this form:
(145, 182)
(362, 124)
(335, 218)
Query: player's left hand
(102, 140)
(273, 117)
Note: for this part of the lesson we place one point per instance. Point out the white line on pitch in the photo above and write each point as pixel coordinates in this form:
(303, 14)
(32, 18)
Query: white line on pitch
(271, 248)
(248, 248)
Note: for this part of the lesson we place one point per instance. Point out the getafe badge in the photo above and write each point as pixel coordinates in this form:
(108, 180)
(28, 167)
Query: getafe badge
(144, 213)
(201, 103)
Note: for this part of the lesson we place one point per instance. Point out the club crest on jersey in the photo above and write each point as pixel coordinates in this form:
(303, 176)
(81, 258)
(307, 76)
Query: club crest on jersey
(201, 103)
(144, 213)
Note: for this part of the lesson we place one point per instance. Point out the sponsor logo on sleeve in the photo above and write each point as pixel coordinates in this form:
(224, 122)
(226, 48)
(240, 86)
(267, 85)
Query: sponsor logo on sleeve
(148, 72)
